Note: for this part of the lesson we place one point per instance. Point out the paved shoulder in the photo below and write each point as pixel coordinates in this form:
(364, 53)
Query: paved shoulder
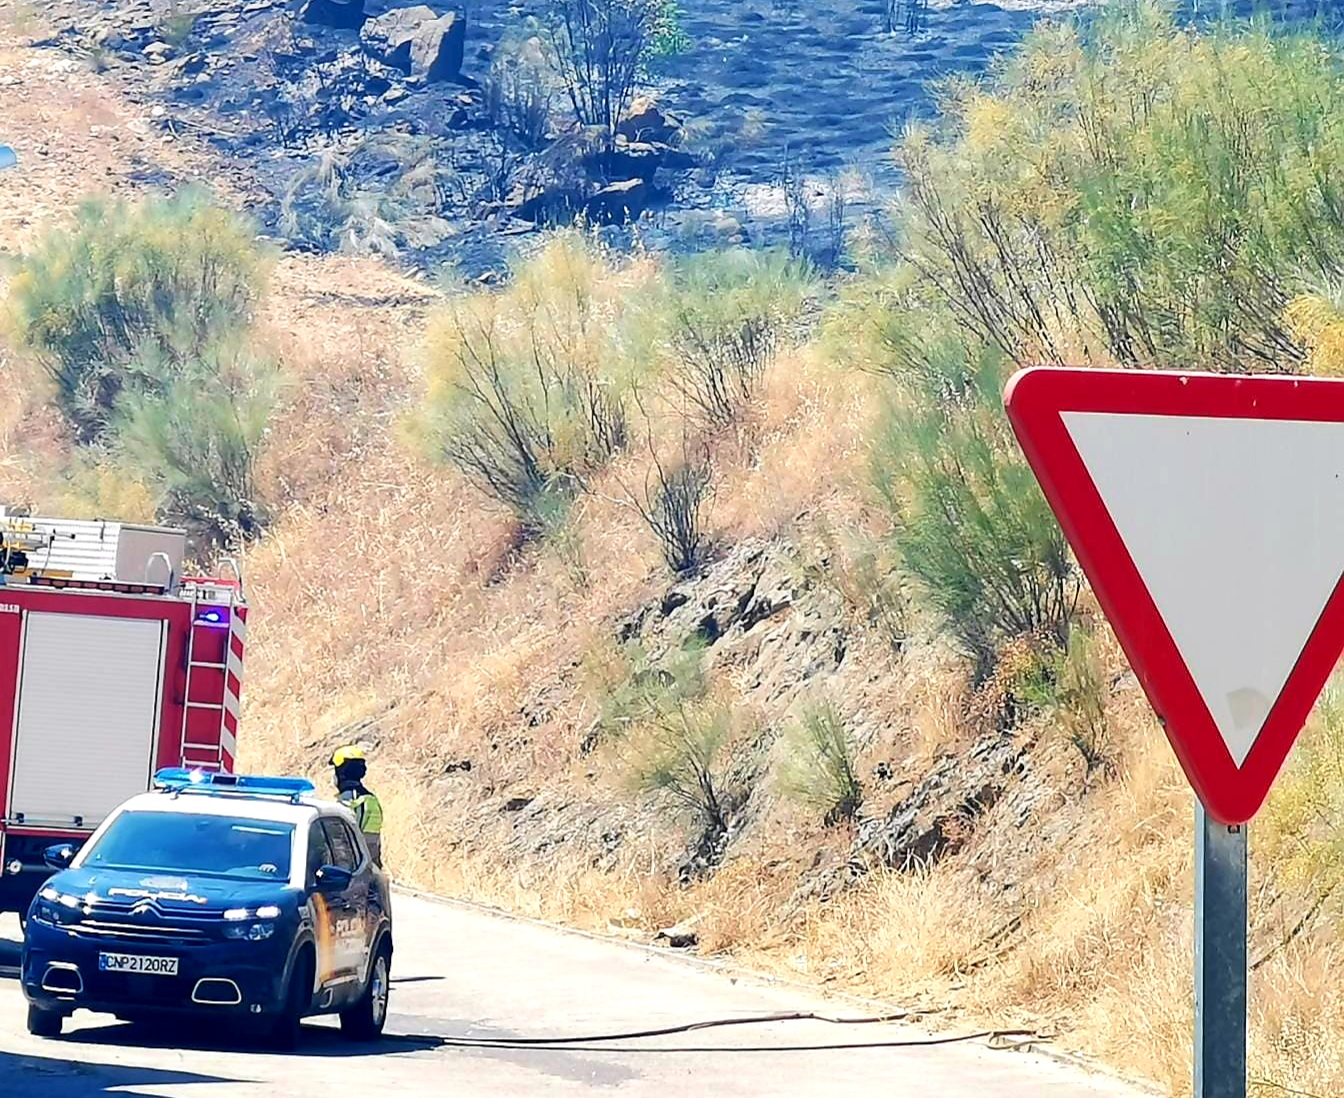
(462, 975)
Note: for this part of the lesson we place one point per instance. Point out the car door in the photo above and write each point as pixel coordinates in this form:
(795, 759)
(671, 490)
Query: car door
(348, 907)
(327, 908)
(366, 894)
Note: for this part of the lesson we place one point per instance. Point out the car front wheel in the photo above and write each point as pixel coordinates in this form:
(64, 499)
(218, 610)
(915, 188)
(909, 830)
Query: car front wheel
(364, 1020)
(44, 1023)
(286, 1028)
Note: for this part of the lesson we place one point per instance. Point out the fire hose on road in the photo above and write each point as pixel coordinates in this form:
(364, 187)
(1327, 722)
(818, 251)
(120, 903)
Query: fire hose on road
(998, 1039)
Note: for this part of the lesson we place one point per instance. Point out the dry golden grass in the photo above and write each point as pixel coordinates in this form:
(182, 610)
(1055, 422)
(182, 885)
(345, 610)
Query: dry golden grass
(802, 445)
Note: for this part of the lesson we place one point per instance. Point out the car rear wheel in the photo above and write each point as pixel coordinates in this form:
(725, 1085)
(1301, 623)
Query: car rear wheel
(44, 1023)
(364, 1021)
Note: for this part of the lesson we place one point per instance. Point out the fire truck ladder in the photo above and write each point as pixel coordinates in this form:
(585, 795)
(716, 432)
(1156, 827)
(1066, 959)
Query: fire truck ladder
(206, 754)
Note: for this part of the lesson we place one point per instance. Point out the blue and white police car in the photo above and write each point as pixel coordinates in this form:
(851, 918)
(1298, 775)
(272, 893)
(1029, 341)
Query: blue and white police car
(219, 896)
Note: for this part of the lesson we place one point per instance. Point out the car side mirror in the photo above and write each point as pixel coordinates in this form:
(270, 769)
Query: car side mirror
(332, 878)
(59, 856)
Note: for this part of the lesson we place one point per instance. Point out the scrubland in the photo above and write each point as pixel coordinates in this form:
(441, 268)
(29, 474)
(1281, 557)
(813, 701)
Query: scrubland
(474, 519)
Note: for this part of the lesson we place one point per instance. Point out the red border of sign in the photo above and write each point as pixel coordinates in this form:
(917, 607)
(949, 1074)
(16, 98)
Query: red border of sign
(1035, 399)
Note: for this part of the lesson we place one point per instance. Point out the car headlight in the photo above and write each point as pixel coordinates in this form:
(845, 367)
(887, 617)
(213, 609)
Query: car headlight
(244, 924)
(57, 908)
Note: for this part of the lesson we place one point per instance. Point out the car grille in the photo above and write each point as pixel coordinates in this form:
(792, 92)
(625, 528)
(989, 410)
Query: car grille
(147, 921)
(140, 932)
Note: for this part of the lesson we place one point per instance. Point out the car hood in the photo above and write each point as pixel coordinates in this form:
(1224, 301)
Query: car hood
(168, 890)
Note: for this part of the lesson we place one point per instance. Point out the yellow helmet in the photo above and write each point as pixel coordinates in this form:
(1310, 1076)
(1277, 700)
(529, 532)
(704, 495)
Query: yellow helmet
(343, 755)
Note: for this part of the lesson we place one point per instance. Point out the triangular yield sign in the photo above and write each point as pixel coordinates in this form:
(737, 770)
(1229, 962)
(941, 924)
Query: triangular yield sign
(1207, 511)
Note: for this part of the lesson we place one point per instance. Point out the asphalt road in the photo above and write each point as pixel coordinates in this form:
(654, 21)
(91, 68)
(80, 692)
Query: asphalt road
(459, 974)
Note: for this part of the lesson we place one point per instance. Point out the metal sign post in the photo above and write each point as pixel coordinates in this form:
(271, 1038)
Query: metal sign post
(1220, 958)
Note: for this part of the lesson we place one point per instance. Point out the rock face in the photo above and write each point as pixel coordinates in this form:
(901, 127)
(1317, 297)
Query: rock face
(341, 14)
(939, 815)
(418, 42)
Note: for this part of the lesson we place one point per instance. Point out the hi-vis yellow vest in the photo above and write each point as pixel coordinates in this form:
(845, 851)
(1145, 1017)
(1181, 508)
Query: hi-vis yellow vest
(368, 813)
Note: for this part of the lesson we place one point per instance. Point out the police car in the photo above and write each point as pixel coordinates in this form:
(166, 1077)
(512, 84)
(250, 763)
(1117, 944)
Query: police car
(220, 896)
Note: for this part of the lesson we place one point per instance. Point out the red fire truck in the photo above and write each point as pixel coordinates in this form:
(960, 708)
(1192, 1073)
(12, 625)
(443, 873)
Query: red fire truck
(112, 665)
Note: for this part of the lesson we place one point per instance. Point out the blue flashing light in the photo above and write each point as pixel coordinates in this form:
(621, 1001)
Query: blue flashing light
(179, 779)
(212, 617)
(169, 777)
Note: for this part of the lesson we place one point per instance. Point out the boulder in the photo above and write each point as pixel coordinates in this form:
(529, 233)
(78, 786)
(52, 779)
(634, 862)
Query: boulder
(646, 122)
(110, 39)
(638, 160)
(418, 42)
(618, 203)
(341, 14)
(388, 38)
(437, 49)
(681, 936)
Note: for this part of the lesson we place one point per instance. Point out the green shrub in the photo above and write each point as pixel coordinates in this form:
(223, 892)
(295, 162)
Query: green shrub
(1303, 832)
(681, 754)
(672, 501)
(1133, 191)
(630, 689)
(529, 387)
(164, 277)
(95, 482)
(728, 312)
(1070, 684)
(864, 574)
(196, 436)
(1080, 695)
(672, 737)
(819, 768)
(971, 523)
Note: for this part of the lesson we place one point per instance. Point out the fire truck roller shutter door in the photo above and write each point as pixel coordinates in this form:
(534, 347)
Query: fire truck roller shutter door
(88, 720)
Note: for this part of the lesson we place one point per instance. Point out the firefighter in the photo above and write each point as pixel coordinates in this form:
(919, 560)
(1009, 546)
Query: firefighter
(351, 766)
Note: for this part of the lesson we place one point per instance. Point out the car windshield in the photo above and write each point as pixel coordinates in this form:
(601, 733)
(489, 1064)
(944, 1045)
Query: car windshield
(218, 846)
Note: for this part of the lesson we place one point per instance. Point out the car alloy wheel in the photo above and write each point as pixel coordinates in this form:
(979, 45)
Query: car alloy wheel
(379, 990)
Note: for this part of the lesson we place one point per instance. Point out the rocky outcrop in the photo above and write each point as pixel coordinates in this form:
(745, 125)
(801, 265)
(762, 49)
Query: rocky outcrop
(939, 816)
(418, 42)
(341, 14)
(754, 610)
(436, 52)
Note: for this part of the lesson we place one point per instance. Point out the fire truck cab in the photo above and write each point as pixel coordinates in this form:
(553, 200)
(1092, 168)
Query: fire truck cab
(113, 665)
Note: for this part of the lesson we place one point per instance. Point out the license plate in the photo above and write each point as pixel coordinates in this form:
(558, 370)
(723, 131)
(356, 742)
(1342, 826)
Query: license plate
(131, 962)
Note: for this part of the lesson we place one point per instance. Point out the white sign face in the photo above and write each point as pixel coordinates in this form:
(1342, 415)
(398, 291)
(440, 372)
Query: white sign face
(1207, 512)
(1237, 528)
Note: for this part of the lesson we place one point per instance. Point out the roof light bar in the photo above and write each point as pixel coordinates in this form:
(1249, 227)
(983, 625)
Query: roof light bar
(182, 780)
